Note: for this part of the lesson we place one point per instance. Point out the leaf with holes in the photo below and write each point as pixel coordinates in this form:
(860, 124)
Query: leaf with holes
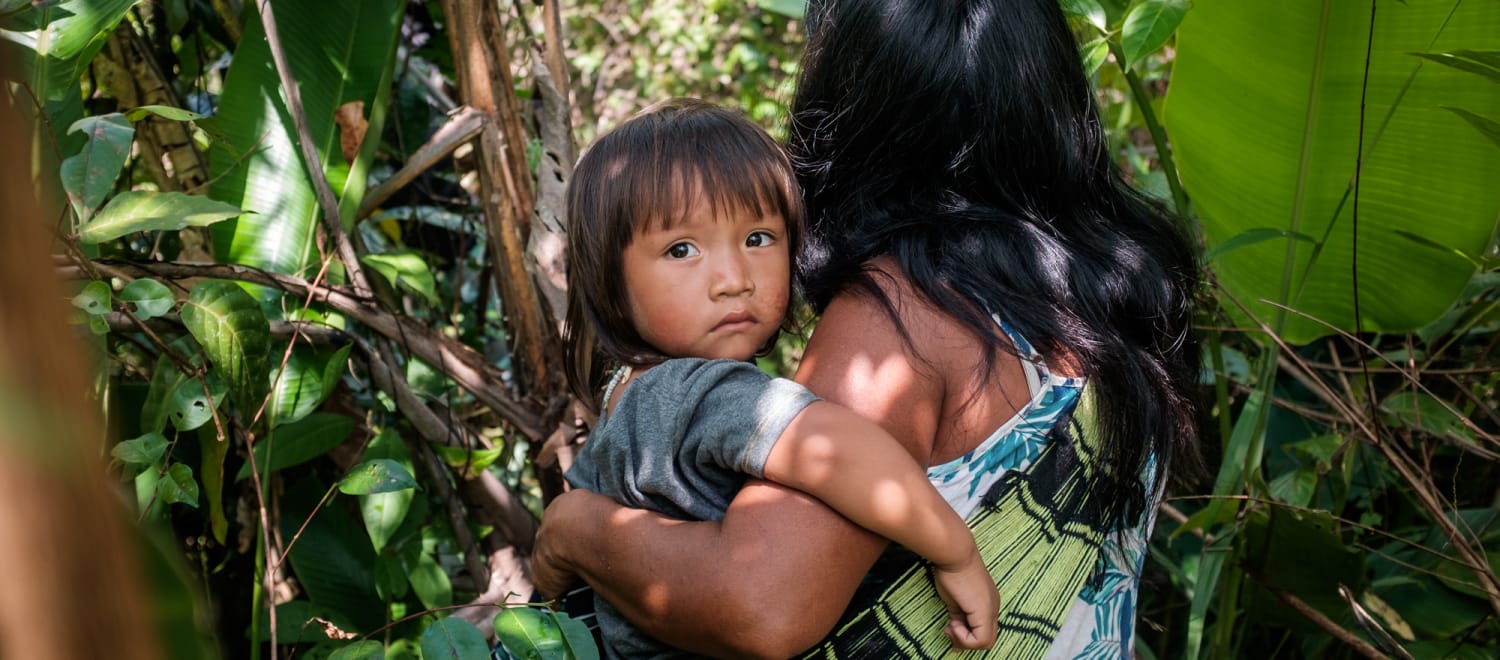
(144, 210)
(96, 298)
(381, 475)
(89, 176)
(149, 297)
(235, 336)
(384, 512)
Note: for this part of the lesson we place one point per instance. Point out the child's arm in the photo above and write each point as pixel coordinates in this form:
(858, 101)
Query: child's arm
(859, 470)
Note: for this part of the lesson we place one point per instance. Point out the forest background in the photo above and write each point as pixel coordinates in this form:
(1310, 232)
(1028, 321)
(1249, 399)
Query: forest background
(313, 251)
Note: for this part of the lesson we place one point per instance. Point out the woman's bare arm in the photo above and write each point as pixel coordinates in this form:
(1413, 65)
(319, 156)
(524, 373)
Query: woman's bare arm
(772, 578)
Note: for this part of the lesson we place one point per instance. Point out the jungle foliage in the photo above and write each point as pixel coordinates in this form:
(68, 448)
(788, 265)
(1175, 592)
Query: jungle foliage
(316, 252)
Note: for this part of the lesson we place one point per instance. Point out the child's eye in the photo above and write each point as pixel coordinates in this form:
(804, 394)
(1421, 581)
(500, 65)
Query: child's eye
(682, 251)
(760, 238)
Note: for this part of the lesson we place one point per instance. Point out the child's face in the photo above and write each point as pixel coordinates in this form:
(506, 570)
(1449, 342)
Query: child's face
(712, 286)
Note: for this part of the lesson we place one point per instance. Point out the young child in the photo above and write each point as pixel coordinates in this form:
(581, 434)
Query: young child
(683, 223)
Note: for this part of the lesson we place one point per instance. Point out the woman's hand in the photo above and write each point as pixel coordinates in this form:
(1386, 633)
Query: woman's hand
(551, 572)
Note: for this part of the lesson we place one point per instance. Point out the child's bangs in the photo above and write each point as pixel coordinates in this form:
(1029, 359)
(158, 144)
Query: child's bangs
(728, 174)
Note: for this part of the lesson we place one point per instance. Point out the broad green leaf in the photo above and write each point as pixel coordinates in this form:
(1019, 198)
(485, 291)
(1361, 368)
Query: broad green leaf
(165, 378)
(332, 559)
(1486, 126)
(143, 210)
(529, 633)
(1251, 237)
(453, 639)
(341, 51)
(1421, 411)
(213, 449)
(304, 384)
(299, 442)
(1461, 578)
(1263, 112)
(381, 475)
(145, 450)
(1486, 64)
(178, 485)
(163, 111)
(96, 298)
(405, 269)
(89, 176)
(235, 337)
(150, 298)
(363, 650)
(427, 578)
(1319, 450)
(71, 33)
(1148, 26)
(384, 512)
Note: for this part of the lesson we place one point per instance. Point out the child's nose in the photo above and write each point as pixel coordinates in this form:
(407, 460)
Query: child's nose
(732, 277)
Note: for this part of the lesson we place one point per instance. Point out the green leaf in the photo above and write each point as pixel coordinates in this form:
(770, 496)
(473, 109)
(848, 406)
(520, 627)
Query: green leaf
(1148, 26)
(299, 442)
(453, 639)
(235, 337)
(406, 269)
(793, 9)
(1486, 126)
(178, 486)
(1090, 11)
(141, 210)
(150, 298)
(576, 633)
(530, 634)
(1251, 237)
(332, 559)
(145, 450)
(188, 407)
(341, 51)
(89, 176)
(1297, 486)
(304, 384)
(363, 650)
(213, 450)
(427, 579)
(163, 111)
(96, 298)
(384, 512)
(1486, 64)
(1263, 112)
(1421, 411)
(390, 577)
(1094, 54)
(471, 461)
(380, 475)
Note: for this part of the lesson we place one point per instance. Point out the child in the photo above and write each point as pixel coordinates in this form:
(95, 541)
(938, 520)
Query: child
(682, 224)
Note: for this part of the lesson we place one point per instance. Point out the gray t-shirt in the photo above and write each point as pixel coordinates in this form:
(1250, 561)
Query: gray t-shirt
(682, 440)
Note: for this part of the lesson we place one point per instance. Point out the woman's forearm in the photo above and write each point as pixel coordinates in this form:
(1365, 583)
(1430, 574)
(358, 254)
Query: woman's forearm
(757, 583)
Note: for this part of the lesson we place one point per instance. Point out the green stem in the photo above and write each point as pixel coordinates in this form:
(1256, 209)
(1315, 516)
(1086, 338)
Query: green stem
(1158, 135)
(257, 596)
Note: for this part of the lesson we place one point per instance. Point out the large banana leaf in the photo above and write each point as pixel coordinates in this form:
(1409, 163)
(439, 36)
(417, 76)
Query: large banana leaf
(1264, 115)
(339, 51)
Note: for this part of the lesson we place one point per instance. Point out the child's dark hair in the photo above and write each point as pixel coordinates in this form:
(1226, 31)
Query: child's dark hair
(646, 173)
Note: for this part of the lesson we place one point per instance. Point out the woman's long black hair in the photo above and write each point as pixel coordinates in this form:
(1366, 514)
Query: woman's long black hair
(960, 137)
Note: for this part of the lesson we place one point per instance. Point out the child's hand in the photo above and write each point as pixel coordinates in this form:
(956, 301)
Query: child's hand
(973, 603)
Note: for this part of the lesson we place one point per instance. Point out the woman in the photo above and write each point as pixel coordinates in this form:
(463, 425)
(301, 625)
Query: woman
(955, 175)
